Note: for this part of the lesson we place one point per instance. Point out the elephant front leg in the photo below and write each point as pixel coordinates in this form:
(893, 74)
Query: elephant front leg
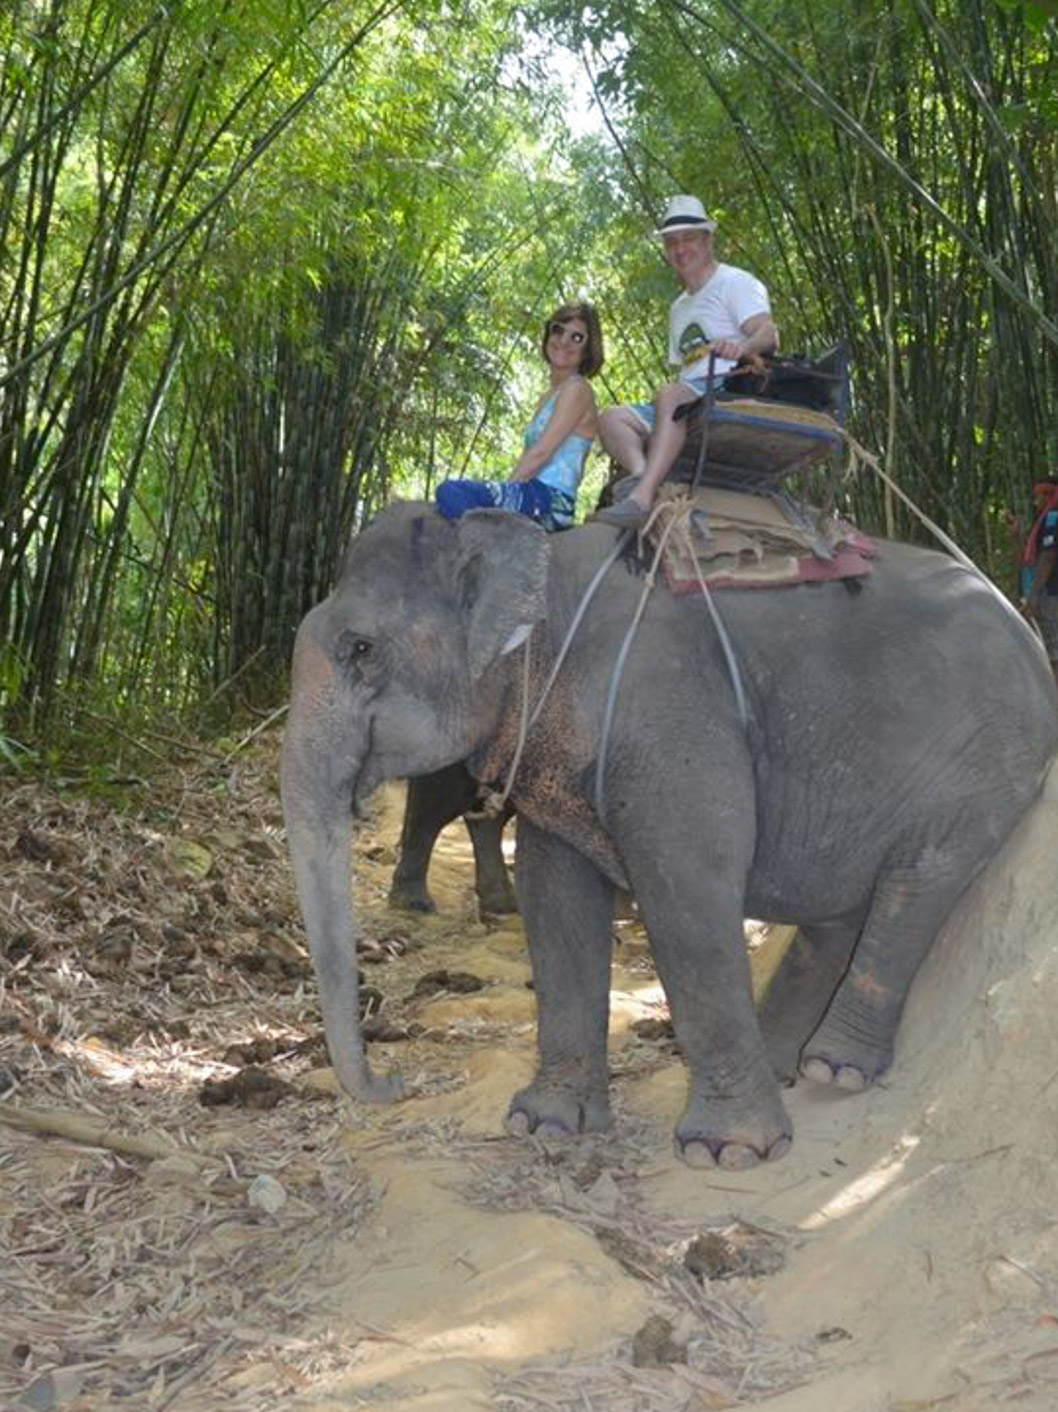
(734, 1116)
(567, 909)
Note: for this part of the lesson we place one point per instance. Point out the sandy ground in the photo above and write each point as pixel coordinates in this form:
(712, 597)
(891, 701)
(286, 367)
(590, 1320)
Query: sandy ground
(903, 1256)
(919, 1222)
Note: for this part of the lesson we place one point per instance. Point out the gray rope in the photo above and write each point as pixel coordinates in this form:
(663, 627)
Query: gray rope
(582, 608)
(622, 657)
(727, 646)
(493, 802)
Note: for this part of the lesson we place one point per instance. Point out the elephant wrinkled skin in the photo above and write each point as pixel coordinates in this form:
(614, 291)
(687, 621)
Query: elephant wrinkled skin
(894, 737)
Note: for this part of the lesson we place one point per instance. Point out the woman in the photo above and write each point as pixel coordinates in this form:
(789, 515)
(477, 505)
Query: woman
(545, 480)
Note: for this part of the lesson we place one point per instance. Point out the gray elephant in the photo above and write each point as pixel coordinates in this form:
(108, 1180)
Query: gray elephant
(889, 740)
(433, 801)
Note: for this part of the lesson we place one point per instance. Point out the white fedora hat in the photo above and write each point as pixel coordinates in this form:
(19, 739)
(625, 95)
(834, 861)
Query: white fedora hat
(684, 213)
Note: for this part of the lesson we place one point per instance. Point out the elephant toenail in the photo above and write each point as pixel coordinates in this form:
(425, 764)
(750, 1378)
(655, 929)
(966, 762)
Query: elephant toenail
(696, 1154)
(738, 1157)
(519, 1123)
(818, 1070)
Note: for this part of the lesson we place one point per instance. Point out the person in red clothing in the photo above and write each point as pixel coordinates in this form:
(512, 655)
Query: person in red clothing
(1039, 565)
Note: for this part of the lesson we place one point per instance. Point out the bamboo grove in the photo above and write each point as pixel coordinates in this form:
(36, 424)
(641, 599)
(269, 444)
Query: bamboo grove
(262, 267)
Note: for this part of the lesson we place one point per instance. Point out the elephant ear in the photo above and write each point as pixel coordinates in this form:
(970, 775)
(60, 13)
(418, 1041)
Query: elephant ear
(502, 582)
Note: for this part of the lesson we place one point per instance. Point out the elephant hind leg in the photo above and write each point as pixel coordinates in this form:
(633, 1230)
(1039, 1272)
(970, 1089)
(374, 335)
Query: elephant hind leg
(492, 881)
(801, 990)
(432, 801)
(853, 1045)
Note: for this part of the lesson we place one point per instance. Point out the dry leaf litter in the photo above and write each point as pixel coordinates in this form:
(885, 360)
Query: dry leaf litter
(173, 1182)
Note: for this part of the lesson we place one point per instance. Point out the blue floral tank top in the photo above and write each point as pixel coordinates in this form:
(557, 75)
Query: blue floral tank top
(563, 472)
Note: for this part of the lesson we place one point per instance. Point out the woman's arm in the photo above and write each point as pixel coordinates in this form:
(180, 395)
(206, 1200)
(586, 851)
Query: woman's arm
(575, 403)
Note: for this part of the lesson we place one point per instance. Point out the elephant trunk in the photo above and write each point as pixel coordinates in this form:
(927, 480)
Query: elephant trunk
(317, 776)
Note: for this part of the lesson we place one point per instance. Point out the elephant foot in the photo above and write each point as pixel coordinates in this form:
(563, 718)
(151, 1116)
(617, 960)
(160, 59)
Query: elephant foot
(848, 1063)
(733, 1136)
(551, 1111)
(361, 1082)
(497, 901)
(410, 897)
(853, 1077)
(822, 1071)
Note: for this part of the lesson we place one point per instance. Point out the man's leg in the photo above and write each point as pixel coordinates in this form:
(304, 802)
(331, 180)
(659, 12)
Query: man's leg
(664, 446)
(624, 437)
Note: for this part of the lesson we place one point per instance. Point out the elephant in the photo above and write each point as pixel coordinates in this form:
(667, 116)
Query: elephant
(845, 758)
(433, 801)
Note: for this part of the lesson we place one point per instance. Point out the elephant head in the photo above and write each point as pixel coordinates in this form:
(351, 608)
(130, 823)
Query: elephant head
(399, 672)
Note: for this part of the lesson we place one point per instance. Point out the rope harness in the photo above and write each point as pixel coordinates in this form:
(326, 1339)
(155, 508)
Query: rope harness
(493, 802)
(676, 516)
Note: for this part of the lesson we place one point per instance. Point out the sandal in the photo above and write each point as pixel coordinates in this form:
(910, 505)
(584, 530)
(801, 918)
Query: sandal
(623, 514)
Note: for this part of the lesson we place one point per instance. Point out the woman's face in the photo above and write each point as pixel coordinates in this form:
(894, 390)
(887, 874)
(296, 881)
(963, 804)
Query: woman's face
(567, 344)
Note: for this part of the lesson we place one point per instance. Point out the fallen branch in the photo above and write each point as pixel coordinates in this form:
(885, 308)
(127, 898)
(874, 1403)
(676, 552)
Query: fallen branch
(94, 1133)
(269, 720)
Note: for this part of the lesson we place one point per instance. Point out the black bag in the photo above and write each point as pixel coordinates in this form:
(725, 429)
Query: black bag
(821, 384)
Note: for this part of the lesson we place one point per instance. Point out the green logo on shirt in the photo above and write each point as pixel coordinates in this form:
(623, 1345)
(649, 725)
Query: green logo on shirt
(693, 344)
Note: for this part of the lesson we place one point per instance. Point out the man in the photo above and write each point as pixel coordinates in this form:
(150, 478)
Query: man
(721, 309)
(1039, 564)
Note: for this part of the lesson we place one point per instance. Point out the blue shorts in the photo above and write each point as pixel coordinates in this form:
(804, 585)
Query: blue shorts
(647, 412)
(532, 498)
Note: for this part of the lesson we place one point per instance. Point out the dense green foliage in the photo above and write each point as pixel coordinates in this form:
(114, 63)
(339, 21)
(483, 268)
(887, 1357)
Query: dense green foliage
(263, 266)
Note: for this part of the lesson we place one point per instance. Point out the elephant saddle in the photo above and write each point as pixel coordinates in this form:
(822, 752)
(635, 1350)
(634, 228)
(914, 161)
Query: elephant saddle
(739, 539)
(763, 426)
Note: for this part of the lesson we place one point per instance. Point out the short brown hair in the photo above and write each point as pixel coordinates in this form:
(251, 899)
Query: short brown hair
(593, 356)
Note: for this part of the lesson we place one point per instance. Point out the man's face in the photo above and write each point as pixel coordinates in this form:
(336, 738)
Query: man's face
(690, 253)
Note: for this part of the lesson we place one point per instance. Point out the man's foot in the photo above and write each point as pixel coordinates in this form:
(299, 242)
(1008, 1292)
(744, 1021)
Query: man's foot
(623, 514)
(623, 488)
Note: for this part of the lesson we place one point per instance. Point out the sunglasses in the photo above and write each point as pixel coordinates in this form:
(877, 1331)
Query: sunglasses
(574, 335)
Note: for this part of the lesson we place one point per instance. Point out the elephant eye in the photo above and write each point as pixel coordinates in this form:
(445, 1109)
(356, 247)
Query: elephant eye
(351, 648)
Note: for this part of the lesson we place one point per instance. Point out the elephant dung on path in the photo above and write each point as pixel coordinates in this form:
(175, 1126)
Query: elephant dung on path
(893, 737)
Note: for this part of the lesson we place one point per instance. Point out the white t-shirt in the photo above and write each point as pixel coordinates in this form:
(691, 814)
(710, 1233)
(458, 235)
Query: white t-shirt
(718, 310)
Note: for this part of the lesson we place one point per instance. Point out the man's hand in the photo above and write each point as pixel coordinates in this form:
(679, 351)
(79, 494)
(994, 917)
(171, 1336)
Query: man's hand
(759, 335)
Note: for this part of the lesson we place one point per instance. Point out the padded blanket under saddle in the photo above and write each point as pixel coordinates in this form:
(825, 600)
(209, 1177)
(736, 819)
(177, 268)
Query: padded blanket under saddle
(746, 540)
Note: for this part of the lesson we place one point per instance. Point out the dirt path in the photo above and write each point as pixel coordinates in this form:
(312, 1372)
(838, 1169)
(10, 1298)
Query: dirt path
(903, 1256)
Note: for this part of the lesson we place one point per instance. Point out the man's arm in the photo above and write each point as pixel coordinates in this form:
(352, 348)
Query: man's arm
(759, 335)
